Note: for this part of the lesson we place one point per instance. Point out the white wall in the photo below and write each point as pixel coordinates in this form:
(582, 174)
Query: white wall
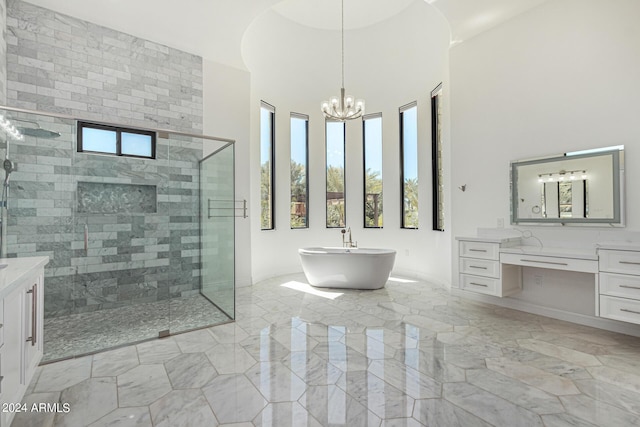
(390, 64)
(561, 77)
(226, 94)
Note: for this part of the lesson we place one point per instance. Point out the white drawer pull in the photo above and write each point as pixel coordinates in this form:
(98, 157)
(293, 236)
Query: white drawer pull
(629, 287)
(476, 266)
(629, 311)
(478, 284)
(477, 250)
(629, 262)
(544, 262)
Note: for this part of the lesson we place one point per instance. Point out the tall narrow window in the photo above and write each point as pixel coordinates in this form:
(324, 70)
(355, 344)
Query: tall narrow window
(299, 165)
(372, 149)
(436, 159)
(334, 132)
(267, 167)
(409, 164)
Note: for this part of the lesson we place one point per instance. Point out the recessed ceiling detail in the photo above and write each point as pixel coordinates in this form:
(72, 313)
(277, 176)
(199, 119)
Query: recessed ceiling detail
(325, 14)
(214, 29)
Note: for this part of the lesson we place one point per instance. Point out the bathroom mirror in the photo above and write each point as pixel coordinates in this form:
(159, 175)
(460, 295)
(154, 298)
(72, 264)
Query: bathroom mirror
(580, 187)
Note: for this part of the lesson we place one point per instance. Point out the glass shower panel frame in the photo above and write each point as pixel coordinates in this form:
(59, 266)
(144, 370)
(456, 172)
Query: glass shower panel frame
(218, 212)
(117, 230)
(189, 307)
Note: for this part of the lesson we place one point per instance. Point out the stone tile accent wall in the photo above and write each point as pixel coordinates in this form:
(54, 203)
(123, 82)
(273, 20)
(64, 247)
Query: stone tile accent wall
(61, 64)
(3, 52)
(131, 257)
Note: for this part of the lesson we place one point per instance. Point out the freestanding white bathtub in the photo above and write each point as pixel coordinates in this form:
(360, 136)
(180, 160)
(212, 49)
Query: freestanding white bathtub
(354, 268)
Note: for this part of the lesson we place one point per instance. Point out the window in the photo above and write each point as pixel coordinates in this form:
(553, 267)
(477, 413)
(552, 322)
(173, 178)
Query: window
(436, 159)
(267, 167)
(335, 137)
(372, 149)
(104, 139)
(409, 164)
(299, 166)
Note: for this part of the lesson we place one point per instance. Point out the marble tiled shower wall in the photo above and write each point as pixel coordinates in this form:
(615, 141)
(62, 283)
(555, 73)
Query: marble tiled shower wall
(61, 64)
(132, 257)
(3, 52)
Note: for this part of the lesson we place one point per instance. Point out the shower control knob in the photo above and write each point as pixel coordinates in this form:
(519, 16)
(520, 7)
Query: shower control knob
(8, 165)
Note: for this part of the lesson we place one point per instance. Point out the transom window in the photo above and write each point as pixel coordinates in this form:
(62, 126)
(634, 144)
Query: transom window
(117, 141)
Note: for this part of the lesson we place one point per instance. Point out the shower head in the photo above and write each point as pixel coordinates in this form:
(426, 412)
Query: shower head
(35, 130)
(38, 132)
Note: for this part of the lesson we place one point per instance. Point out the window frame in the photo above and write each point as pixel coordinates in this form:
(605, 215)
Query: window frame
(119, 131)
(272, 153)
(364, 168)
(344, 171)
(437, 181)
(306, 165)
(402, 110)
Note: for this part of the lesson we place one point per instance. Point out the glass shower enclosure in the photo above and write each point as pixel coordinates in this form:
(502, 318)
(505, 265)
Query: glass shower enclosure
(139, 247)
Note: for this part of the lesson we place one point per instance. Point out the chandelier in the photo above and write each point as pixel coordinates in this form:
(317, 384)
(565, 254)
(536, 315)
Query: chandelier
(345, 107)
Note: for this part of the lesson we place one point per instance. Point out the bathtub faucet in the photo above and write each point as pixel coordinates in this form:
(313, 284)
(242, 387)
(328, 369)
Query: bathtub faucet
(348, 243)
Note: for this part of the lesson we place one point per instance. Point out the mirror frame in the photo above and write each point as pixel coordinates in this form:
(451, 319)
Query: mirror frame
(617, 156)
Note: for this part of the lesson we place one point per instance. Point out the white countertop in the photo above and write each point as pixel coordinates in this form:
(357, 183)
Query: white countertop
(17, 270)
(575, 253)
(620, 246)
(490, 239)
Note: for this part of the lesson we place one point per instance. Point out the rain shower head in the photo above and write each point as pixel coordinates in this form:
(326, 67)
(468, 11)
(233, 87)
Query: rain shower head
(35, 130)
(38, 132)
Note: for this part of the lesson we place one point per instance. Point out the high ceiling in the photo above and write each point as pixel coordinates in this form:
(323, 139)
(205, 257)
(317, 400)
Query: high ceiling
(214, 29)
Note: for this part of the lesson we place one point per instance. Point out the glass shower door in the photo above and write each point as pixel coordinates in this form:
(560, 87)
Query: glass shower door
(218, 209)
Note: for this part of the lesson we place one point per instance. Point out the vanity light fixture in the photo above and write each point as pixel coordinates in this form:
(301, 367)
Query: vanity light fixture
(561, 176)
(346, 107)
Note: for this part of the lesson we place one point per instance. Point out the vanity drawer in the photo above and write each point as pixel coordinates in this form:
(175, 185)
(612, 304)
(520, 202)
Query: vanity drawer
(623, 309)
(480, 267)
(620, 285)
(482, 285)
(550, 262)
(626, 262)
(483, 250)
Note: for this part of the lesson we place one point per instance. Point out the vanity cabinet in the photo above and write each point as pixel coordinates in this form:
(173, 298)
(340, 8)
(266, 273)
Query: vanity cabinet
(480, 270)
(619, 283)
(21, 316)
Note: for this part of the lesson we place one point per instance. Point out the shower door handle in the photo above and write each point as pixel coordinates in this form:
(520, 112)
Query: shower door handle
(34, 314)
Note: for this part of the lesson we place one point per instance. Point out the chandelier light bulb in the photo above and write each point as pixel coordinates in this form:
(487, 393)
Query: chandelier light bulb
(348, 101)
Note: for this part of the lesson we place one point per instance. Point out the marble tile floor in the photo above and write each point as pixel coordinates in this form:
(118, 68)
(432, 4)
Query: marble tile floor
(77, 334)
(409, 355)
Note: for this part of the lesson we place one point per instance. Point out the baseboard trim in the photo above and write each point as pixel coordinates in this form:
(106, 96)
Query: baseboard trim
(554, 313)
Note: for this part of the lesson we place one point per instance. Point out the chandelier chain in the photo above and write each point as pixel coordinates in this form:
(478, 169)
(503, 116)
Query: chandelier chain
(342, 35)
